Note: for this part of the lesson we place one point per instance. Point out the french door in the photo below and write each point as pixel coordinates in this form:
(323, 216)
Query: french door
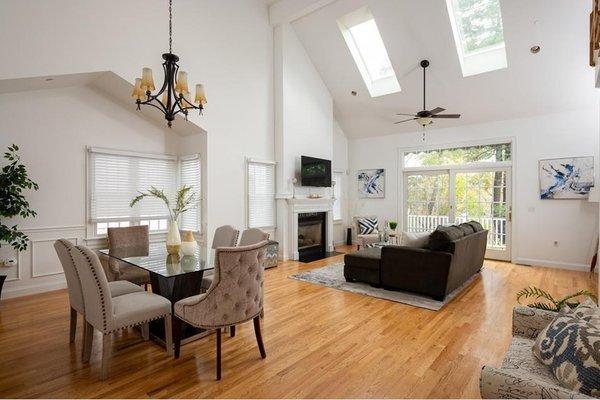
(440, 197)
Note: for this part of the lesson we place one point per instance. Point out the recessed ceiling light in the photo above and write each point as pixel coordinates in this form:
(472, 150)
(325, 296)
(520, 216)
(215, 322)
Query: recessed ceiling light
(535, 49)
(353, 93)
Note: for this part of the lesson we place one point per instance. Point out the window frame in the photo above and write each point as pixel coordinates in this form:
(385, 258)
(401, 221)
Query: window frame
(247, 190)
(92, 226)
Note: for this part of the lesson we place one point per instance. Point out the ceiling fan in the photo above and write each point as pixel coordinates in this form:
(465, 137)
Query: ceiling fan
(426, 117)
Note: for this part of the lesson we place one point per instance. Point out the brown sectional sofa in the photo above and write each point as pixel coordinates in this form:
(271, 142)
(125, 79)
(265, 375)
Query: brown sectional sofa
(454, 254)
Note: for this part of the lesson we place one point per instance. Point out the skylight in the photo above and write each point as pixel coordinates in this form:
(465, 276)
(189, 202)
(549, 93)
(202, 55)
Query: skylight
(368, 50)
(479, 35)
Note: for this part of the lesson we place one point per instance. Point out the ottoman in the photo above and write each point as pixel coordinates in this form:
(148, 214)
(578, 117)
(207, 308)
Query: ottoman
(363, 266)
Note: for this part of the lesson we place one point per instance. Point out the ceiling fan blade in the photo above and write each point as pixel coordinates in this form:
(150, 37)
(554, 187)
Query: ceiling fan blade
(437, 110)
(446, 116)
(406, 120)
(408, 115)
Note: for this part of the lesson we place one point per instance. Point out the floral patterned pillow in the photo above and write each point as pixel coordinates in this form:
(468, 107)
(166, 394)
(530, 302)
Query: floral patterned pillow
(570, 346)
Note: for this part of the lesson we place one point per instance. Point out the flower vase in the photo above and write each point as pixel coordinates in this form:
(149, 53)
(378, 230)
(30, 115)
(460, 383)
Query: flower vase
(189, 245)
(173, 238)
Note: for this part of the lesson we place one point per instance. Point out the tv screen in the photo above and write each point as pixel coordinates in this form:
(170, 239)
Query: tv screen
(315, 172)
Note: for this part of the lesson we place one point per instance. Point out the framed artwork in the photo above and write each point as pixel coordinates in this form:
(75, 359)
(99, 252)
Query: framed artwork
(371, 183)
(566, 178)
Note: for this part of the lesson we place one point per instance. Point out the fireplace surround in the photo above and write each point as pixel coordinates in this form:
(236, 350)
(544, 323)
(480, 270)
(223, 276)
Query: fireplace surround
(298, 206)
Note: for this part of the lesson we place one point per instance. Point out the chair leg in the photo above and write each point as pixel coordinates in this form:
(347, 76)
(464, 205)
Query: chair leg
(261, 346)
(73, 325)
(106, 350)
(146, 331)
(176, 335)
(168, 335)
(232, 331)
(89, 339)
(218, 354)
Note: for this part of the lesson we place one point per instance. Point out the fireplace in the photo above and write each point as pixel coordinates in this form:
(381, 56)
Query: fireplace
(311, 236)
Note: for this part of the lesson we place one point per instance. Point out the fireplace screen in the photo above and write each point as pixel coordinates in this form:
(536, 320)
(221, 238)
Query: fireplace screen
(311, 236)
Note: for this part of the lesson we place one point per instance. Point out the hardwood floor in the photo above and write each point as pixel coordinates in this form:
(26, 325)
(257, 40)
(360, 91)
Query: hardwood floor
(320, 343)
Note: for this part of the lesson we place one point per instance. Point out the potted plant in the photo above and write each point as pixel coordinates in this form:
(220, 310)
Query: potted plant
(13, 181)
(185, 201)
(548, 302)
(393, 225)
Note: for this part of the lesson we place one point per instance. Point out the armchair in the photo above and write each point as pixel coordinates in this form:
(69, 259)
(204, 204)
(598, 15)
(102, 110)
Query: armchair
(363, 240)
(521, 374)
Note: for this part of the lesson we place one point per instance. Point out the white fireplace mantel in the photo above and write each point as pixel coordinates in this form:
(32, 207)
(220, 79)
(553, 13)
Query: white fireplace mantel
(306, 205)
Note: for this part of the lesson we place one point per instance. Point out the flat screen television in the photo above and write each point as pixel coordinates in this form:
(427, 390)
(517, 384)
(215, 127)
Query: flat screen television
(315, 172)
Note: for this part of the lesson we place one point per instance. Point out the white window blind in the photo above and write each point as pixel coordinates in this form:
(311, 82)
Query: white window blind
(190, 176)
(116, 178)
(337, 194)
(261, 194)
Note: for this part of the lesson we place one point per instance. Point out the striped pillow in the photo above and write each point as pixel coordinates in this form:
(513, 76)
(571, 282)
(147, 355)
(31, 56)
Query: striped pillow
(367, 225)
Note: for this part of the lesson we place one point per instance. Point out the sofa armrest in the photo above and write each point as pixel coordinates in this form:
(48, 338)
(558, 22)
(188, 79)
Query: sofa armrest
(529, 322)
(498, 383)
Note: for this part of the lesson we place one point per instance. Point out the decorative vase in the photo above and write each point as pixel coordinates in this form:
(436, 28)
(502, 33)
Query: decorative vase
(173, 238)
(189, 245)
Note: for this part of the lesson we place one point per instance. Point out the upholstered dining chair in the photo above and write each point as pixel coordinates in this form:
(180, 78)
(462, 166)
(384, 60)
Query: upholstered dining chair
(128, 241)
(111, 314)
(116, 288)
(252, 236)
(235, 297)
(225, 236)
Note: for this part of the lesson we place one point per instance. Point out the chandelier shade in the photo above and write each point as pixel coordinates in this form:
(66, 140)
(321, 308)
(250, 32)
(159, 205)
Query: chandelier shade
(173, 97)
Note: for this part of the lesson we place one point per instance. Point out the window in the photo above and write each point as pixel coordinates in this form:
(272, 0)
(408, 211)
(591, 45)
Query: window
(261, 194)
(458, 155)
(116, 177)
(368, 50)
(190, 176)
(478, 34)
(337, 195)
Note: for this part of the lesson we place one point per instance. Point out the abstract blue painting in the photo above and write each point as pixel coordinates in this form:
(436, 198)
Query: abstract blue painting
(371, 183)
(566, 178)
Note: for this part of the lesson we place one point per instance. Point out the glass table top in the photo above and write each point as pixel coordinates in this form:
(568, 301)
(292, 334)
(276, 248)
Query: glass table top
(162, 263)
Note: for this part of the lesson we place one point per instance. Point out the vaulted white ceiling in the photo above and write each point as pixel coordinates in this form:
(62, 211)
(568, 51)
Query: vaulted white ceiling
(554, 80)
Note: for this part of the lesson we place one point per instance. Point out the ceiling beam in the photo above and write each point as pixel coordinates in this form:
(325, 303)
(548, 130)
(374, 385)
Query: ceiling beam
(285, 11)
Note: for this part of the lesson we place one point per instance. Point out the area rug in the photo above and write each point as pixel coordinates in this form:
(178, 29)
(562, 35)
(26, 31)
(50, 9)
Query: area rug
(333, 276)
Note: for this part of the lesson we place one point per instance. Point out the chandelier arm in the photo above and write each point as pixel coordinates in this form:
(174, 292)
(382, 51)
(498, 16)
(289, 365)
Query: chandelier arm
(153, 105)
(164, 85)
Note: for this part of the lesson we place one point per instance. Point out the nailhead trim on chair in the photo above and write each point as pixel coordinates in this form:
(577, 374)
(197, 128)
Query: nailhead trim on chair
(61, 241)
(140, 323)
(102, 302)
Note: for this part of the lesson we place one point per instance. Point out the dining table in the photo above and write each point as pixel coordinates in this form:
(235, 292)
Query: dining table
(173, 276)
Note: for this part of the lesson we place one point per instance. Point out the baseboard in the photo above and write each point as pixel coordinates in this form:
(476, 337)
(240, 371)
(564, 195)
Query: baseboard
(19, 291)
(552, 264)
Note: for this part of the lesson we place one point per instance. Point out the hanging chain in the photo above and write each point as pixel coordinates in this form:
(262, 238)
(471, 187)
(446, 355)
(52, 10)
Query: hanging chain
(170, 26)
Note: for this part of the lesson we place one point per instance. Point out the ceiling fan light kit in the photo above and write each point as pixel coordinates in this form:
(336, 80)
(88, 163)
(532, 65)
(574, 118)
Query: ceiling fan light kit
(426, 117)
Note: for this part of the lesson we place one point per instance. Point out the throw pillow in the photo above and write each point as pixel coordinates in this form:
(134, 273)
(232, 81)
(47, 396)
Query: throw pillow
(570, 346)
(476, 226)
(415, 239)
(466, 228)
(588, 311)
(367, 225)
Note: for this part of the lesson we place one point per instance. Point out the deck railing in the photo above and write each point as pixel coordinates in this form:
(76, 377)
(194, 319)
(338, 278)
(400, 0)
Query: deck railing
(496, 226)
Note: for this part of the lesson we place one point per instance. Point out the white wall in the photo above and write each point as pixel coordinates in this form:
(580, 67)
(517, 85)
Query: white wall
(340, 164)
(303, 122)
(52, 129)
(225, 45)
(537, 224)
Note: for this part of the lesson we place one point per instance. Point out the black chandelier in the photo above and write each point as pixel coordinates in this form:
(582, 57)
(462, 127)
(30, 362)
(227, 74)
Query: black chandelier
(174, 96)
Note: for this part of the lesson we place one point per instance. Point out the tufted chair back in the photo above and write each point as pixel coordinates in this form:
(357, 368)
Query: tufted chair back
(225, 236)
(62, 247)
(130, 241)
(253, 236)
(236, 293)
(94, 285)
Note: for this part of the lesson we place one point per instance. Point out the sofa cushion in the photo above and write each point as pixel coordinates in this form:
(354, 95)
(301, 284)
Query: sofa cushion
(367, 258)
(477, 227)
(415, 239)
(441, 238)
(570, 346)
(467, 228)
(367, 225)
(520, 357)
